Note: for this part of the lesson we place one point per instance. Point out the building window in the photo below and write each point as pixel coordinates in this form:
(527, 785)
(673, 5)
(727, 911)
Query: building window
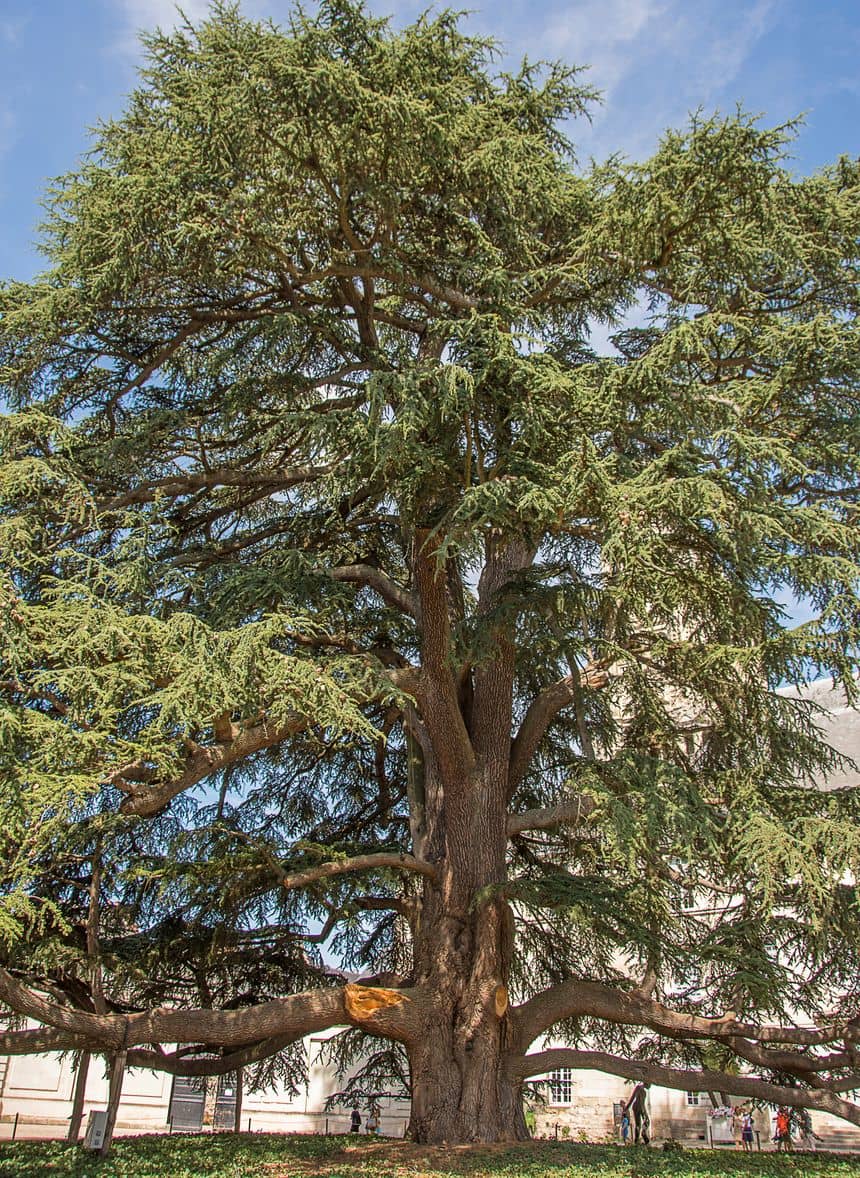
(694, 1099)
(561, 1086)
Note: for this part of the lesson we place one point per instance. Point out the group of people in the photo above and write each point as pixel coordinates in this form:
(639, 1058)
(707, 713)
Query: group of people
(636, 1123)
(371, 1125)
(788, 1124)
(786, 1121)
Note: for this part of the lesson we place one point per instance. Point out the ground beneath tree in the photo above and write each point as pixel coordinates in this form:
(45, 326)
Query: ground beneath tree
(270, 1156)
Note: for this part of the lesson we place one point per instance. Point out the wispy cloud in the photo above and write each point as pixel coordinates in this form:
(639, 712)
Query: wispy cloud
(139, 16)
(8, 129)
(652, 60)
(601, 35)
(11, 30)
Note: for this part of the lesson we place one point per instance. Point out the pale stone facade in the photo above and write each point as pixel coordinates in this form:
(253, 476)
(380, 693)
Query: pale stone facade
(38, 1090)
(595, 1099)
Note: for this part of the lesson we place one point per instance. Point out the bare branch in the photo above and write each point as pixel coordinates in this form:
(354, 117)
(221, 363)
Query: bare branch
(359, 863)
(390, 592)
(576, 997)
(38, 1039)
(569, 813)
(179, 1065)
(147, 798)
(186, 483)
(387, 1012)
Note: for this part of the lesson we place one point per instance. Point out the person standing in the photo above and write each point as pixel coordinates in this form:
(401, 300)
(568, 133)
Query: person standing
(783, 1129)
(808, 1136)
(638, 1106)
(748, 1130)
(355, 1120)
(737, 1125)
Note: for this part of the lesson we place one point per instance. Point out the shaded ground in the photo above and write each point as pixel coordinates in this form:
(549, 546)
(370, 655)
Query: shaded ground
(270, 1156)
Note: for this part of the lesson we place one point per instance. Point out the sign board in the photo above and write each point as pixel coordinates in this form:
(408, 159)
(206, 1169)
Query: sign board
(721, 1130)
(94, 1138)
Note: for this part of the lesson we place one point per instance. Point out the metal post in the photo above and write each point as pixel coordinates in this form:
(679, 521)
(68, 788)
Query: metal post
(237, 1112)
(249, 1124)
(15, 1125)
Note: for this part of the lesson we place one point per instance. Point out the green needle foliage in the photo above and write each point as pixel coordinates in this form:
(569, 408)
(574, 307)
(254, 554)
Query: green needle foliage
(317, 308)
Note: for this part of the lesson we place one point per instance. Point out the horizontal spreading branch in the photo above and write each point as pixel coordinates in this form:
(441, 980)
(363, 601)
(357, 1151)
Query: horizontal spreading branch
(687, 1081)
(35, 1040)
(387, 1012)
(390, 859)
(576, 998)
(181, 1065)
(182, 483)
(564, 814)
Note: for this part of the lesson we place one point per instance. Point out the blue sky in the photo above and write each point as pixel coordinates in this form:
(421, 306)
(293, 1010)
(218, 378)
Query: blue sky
(67, 63)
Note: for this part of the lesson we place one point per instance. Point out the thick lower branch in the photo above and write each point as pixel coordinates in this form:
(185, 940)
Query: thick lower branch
(575, 997)
(36, 1040)
(393, 1014)
(180, 1065)
(687, 1081)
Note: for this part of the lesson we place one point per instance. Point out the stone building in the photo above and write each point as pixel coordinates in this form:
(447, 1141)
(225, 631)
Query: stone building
(38, 1089)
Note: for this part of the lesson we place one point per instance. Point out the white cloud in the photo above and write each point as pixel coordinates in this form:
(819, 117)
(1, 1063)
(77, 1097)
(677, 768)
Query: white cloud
(165, 14)
(139, 16)
(11, 30)
(652, 60)
(601, 35)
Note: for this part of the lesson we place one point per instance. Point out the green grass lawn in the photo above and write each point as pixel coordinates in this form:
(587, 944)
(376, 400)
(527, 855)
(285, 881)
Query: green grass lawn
(269, 1156)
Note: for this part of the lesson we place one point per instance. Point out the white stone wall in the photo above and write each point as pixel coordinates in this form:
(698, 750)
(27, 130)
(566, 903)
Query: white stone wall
(39, 1088)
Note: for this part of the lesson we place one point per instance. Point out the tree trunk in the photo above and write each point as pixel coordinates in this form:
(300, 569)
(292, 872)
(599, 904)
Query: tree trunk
(81, 1074)
(117, 1072)
(460, 1087)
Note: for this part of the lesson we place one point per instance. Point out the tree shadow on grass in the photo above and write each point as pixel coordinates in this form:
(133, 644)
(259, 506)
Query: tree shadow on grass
(279, 1156)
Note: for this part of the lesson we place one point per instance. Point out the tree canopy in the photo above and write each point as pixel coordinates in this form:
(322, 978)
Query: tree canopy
(354, 602)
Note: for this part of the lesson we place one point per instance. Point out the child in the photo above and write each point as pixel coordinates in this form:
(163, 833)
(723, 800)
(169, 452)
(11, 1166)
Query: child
(625, 1127)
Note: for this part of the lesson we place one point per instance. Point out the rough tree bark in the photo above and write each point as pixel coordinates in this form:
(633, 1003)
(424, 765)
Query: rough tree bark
(462, 1089)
